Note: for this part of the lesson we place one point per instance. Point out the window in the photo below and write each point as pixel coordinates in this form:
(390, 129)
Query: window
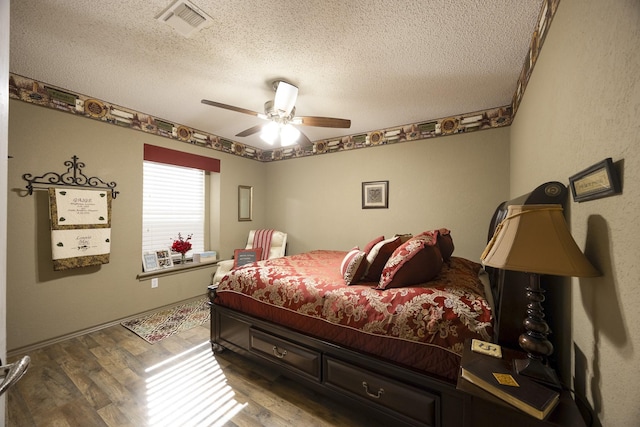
(173, 202)
(174, 198)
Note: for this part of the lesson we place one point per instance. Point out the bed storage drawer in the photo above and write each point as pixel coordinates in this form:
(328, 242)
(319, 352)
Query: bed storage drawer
(418, 405)
(286, 353)
(231, 332)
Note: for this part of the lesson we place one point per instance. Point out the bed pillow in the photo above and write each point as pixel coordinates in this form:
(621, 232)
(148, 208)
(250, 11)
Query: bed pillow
(417, 261)
(445, 243)
(404, 237)
(378, 256)
(246, 256)
(372, 243)
(353, 266)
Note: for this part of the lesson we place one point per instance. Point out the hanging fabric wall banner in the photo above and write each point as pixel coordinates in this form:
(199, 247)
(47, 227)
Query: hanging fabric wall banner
(80, 227)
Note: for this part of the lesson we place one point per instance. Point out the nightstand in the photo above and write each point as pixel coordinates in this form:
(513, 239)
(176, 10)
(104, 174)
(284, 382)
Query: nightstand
(483, 409)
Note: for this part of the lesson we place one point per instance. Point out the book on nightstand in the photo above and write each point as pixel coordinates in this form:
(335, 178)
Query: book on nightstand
(495, 376)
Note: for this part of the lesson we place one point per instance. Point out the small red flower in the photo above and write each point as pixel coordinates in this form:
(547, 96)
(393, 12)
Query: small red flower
(182, 245)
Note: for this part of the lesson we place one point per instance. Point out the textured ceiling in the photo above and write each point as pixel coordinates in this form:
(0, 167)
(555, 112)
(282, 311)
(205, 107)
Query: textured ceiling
(378, 63)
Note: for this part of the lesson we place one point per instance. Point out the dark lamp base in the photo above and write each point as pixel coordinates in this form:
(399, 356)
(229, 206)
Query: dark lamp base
(538, 371)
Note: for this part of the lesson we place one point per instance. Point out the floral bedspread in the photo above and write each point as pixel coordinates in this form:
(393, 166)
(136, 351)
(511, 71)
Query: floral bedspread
(442, 312)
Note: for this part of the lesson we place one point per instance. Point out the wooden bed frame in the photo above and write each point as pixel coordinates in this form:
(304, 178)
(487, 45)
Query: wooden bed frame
(399, 395)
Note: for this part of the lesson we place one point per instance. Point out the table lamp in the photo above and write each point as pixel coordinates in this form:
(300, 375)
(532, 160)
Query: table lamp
(535, 239)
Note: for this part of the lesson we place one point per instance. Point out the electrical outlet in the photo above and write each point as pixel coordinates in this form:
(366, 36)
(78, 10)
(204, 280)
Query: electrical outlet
(154, 282)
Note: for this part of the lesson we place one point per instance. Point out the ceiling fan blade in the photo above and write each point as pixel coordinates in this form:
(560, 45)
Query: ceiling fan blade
(325, 122)
(232, 108)
(251, 130)
(285, 100)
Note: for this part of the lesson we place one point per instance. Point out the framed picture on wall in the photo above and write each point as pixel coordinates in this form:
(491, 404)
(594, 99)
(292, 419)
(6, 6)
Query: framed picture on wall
(599, 180)
(375, 195)
(245, 203)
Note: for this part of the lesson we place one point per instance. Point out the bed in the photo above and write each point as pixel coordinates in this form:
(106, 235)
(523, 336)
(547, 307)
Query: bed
(383, 327)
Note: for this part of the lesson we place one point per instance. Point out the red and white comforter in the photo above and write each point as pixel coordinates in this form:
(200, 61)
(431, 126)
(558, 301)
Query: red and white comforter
(423, 326)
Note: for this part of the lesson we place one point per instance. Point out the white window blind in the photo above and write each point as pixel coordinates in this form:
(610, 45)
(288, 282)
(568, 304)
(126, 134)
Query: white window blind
(173, 202)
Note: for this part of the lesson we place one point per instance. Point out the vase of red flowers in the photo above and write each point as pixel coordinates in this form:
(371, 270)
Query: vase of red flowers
(182, 246)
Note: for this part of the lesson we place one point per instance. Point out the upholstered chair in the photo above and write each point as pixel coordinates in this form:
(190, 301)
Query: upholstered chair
(276, 250)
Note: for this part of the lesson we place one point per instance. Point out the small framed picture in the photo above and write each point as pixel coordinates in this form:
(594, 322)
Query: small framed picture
(375, 195)
(599, 180)
(164, 258)
(150, 261)
(245, 202)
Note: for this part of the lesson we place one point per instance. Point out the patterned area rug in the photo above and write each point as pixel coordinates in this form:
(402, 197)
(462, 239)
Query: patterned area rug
(162, 324)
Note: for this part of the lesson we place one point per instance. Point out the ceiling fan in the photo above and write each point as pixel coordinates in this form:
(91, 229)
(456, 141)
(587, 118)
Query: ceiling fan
(281, 116)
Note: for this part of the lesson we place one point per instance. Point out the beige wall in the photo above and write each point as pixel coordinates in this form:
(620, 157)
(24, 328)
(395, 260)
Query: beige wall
(43, 304)
(581, 106)
(454, 182)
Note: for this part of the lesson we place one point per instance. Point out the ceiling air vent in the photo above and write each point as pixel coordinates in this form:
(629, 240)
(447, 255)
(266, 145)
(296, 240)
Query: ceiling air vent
(185, 17)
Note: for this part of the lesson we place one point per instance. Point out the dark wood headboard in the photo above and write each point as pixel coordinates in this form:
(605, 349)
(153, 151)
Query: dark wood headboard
(509, 286)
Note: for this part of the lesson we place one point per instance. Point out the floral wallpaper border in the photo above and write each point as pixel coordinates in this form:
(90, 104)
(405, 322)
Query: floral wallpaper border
(41, 93)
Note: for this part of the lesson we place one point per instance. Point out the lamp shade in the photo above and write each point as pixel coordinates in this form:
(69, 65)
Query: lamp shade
(536, 239)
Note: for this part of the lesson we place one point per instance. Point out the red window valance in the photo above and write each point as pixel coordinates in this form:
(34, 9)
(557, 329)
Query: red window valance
(180, 158)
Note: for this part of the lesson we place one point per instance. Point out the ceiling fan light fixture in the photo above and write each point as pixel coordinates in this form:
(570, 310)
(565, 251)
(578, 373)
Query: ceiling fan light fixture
(270, 132)
(281, 114)
(288, 135)
(285, 99)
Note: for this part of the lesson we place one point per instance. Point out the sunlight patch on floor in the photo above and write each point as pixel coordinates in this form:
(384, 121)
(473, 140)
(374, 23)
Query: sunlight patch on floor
(190, 389)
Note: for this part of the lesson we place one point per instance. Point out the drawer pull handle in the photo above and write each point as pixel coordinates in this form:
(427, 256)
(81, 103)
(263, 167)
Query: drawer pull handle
(378, 395)
(278, 354)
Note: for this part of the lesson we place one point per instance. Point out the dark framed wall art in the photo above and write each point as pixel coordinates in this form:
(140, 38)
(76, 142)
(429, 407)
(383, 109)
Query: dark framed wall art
(375, 195)
(599, 180)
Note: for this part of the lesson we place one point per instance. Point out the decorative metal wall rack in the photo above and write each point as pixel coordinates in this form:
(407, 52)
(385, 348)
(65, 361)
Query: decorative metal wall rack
(72, 177)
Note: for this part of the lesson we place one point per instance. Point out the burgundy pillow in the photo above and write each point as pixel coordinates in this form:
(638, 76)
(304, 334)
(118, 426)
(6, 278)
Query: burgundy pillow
(372, 243)
(378, 256)
(353, 266)
(445, 243)
(417, 261)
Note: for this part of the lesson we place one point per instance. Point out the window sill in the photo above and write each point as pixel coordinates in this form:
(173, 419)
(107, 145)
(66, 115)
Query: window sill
(176, 269)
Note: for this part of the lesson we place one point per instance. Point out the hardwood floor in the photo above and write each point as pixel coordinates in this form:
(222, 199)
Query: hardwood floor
(112, 377)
